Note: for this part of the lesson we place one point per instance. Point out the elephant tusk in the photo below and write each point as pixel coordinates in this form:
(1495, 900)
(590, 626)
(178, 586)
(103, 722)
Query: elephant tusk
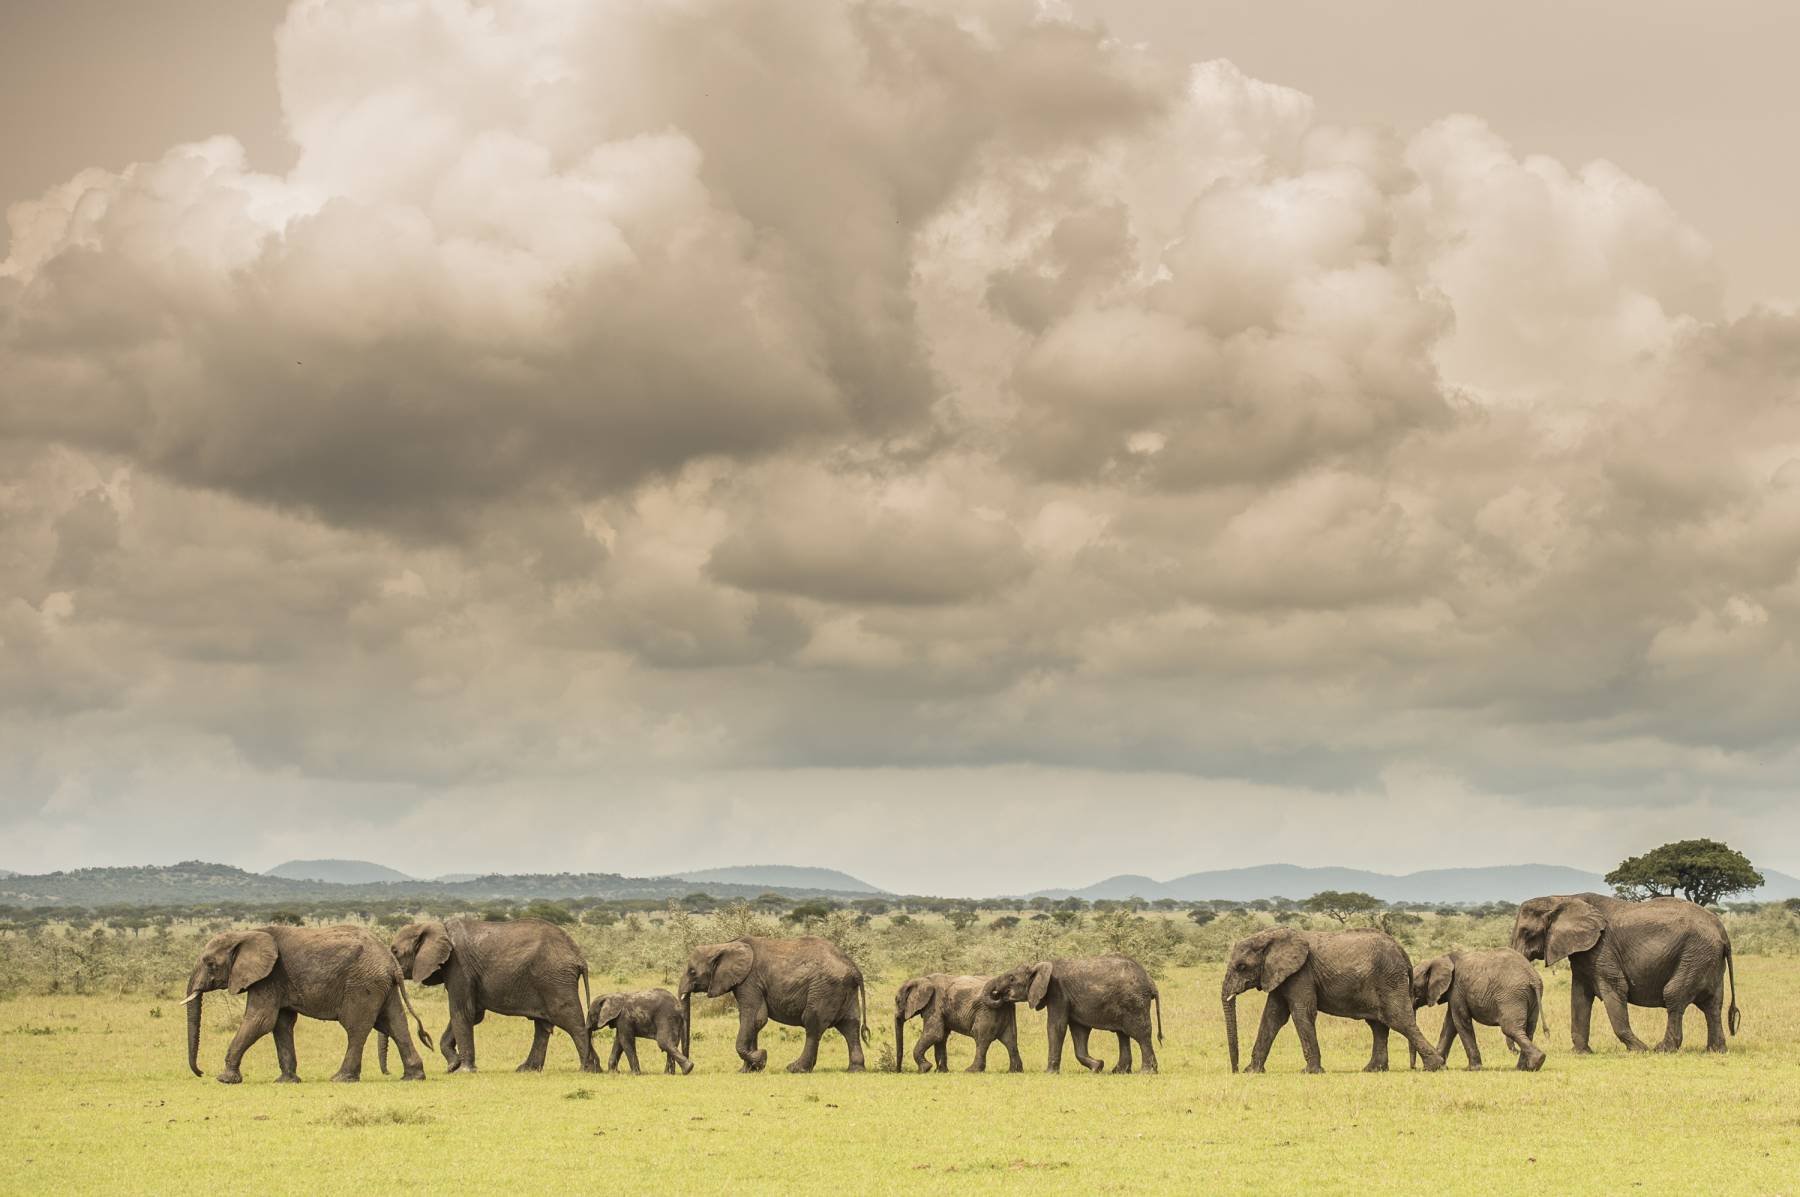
(190, 997)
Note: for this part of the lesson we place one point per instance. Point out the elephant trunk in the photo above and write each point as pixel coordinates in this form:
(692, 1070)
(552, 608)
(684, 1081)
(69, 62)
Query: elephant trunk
(899, 1042)
(1229, 1002)
(193, 1018)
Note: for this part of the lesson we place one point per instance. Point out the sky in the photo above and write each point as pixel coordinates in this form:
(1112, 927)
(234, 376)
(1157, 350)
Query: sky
(978, 446)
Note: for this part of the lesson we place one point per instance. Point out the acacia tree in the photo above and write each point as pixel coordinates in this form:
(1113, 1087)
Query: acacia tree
(1341, 905)
(1702, 871)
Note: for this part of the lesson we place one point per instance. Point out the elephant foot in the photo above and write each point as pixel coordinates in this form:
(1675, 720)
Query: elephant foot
(231, 1076)
(1311, 1069)
(468, 1069)
(1096, 1067)
(1633, 1046)
(1474, 1066)
(1716, 1048)
(976, 1067)
(287, 1078)
(346, 1078)
(1580, 1049)
(857, 1066)
(1434, 1063)
(1668, 1047)
(528, 1066)
(687, 1067)
(1375, 1066)
(1531, 1063)
(799, 1066)
(1257, 1069)
(413, 1074)
(1121, 1068)
(924, 1066)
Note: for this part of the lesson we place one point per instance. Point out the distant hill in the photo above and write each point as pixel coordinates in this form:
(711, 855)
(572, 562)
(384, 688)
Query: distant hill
(197, 882)
(1499, 883)
(452, 878)
(790, 876)
(7, 873)
(343, 872)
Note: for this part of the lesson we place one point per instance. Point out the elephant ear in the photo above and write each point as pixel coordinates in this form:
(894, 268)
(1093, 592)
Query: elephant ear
(1575, 926)
(252, 960)
(1040, 985)
(433, 953)
(607, 1014)
(1285, 954)
(1438, 975)
(919, 996)
(731, 964)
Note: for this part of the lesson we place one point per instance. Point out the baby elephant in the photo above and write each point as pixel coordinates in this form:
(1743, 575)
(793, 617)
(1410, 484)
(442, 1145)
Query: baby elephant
(1496, 989)
(946, 1003)
(649, 1014)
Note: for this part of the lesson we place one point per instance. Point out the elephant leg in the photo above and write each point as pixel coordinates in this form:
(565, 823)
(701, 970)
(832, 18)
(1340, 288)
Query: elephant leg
(1078, 1035)
(1009, 1035)
(1465, 1031)
(1581, 1014)
(566, 1013)
(618, 1049)
(1398, 1016)
(356, 1036)
(1305, 1013)
(1613, 998)
(1123, 1063)
(942, 1051)
(809, 1051)
(260, 1013)
(1055, 1026)
(1274, 1017)
(1517, 1029)
(1446, 1034)
(1713, 1005)
(540, 1045)
(751, 1019)
(1378, 1053)
(390, 1021)
(1140, 1031)
(284, 1047)
(462, 1021)
(669, 1039)
(630, 1041)
(922, 1049)
(1671, 1040)
(447, 1045)
(851, 1029)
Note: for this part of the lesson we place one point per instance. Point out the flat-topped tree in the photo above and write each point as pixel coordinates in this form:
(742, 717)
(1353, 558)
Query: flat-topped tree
(1702, 871)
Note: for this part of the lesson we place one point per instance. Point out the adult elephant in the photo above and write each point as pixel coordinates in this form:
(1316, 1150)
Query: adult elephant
(1084, 994)
(944, 1004)
(339, 974)
(805, 982)
(1351, 974)
(526, 968)
(1664, 952)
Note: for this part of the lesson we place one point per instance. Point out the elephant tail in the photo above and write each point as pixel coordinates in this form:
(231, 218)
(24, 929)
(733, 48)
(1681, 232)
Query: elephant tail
(381, 1050)
(862, 1001)
(407, 1002)
(587, 1003)
(1156, 996)
(1735, 1017)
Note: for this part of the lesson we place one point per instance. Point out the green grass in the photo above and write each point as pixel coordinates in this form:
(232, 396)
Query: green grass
(95, 1097)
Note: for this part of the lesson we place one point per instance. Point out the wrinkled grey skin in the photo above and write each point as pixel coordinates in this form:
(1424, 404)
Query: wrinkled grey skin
(1352, 974)
(645, 1014)
(1498, 988)
(805, 982)
(944, 1003)
(340, 974)
(1665, 952)
(523, 967)
(1083, 994)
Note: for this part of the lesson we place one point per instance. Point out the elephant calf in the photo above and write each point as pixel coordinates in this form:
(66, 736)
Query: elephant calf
(1353, 974)
(646, 1014)
(948, 1003)
(1084, 994)
(1496, 989)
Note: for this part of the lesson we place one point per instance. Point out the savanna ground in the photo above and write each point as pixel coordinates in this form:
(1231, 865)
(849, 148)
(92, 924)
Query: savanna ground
(95, 1097)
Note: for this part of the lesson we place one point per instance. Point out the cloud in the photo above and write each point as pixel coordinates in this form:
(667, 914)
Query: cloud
(667, 390)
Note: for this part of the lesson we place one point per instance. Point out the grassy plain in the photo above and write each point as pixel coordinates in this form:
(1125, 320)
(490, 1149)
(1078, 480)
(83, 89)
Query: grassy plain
(95, 1097)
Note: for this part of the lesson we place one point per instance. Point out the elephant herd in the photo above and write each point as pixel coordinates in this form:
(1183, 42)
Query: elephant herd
(1664, 953)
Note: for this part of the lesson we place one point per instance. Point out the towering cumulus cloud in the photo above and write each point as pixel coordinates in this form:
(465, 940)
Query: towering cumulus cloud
(794, 418)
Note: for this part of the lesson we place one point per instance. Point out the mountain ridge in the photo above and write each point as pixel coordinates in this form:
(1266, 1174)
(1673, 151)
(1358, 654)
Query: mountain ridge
(341, 872)
(1491, 883)
(788, 875)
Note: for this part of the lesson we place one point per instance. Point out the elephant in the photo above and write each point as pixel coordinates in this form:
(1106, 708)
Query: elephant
(1352, 974)
(523, 967)
(1083, 994)
(648, 1013)
(806, 982)
(1664, 952)
(1497, 988)
(950, 1003)
(340, 974)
